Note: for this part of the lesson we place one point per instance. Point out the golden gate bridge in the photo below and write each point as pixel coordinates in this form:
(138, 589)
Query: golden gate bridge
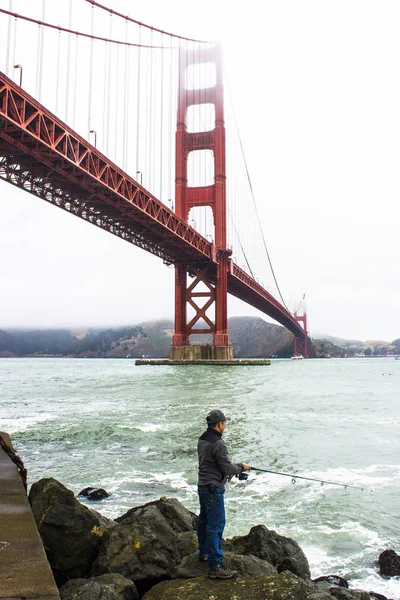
(131, 132)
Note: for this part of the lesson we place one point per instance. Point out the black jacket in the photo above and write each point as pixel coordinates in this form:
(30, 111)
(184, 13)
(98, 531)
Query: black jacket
(214, 463)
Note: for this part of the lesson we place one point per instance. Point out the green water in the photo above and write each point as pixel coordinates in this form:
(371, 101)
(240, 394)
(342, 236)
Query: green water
(133, 430)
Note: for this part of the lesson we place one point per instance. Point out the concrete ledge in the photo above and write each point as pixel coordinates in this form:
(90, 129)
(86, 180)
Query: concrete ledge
(237, 362)
(24, 569)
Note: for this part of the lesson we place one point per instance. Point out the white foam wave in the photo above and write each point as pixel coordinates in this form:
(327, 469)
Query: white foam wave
(21, 424)
(151, 427)
(372, 582)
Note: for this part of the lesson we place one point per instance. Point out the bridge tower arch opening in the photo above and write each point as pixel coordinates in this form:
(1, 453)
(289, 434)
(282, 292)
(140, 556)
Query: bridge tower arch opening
(202, 287)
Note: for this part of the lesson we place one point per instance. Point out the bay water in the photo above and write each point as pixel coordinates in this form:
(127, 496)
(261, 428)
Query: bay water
(133, 430)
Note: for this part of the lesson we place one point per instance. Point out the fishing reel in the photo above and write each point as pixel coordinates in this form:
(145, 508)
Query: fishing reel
(242, 476)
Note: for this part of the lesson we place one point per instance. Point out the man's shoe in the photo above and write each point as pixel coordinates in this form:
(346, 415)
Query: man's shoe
(221, 573)
(203, 557)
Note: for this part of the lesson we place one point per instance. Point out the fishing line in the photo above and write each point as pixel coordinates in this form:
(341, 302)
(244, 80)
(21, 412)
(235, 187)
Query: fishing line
(321, 481)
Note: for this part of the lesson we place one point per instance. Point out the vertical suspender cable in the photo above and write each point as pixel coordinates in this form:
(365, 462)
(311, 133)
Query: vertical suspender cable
(58, 69)
(105, 72)
(138, 115)
(39, 40)
(39, 94)
(209, 153)
(128, 112)
(152, 117)
(171, 176)
(107, 140)
(8, 66)
(90, 77)
(75, 80)
(161, 118)
(116, 105)
(124, 132)
(15, 42)
(68, 63)
(146, 130)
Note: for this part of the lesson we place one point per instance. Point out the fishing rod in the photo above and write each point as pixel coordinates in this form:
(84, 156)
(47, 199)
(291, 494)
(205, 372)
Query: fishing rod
(321, 481)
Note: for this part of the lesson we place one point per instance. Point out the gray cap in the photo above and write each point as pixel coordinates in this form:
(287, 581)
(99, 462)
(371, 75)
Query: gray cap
(216, 416)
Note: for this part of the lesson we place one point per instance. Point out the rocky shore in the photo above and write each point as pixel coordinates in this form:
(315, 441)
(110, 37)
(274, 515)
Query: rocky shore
(150, 553)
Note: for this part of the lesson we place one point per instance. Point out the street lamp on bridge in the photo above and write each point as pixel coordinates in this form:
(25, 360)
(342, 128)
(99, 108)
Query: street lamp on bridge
(95, 136)
(20, 73)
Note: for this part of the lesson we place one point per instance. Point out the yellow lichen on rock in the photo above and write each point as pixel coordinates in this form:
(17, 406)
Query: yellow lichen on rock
(98, 531)
(135, 546)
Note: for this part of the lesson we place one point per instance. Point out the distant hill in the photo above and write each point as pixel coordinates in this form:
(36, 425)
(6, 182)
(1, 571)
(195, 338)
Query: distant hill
(251, 337)
(369, 347)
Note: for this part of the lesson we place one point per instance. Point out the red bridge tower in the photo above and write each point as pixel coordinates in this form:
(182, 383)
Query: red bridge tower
(208, 290)
(300, 343)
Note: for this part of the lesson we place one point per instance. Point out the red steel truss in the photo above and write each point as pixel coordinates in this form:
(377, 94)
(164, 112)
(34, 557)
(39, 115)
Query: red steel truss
(39, 153)
(43, 156)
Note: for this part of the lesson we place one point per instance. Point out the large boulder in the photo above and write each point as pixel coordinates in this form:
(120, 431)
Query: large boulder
(148, 543)
(389, 563)
(341, 593)
(273, 587)
(334, 586)
(285, 586)
(70, 531)
(283, 553)
(179, 518)
(106, 587)
(247, 566)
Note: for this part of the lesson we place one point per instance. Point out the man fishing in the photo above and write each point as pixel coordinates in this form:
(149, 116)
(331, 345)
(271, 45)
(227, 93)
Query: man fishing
(215, 468)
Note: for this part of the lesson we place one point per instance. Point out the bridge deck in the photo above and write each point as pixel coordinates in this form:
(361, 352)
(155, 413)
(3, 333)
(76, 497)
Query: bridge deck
(24, 570)
(42, 155)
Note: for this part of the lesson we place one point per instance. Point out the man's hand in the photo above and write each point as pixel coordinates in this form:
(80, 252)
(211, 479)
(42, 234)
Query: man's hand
(246, 467)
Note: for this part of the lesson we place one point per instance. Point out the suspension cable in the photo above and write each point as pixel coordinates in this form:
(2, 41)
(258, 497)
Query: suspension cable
(179, 37)
(240, 244)
(66, 30)
(254, 200)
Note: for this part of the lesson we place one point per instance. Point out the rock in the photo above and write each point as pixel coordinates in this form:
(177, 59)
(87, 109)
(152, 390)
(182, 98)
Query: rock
(86, 491)
(341, 593)
(333, 579)
(321, 588)
(94, 493)
(283, 553)
(377, 596)
(178, 517)
(106, 587)
(319, 596)
(70, 531)
(148, 543)
(186, 543)
(247, 566)
(284, 586)
(389, 563)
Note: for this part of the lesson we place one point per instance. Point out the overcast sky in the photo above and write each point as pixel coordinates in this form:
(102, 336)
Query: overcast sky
(317, 96)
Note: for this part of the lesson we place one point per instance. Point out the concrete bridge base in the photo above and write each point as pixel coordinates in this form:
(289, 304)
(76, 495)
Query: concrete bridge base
(198, 352)
(24, 570)
(236, 362)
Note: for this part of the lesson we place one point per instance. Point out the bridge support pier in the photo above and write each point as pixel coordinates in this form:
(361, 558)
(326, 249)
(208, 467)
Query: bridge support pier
(197, 352)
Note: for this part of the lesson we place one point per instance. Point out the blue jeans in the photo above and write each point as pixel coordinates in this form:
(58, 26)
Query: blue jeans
(211, 524)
